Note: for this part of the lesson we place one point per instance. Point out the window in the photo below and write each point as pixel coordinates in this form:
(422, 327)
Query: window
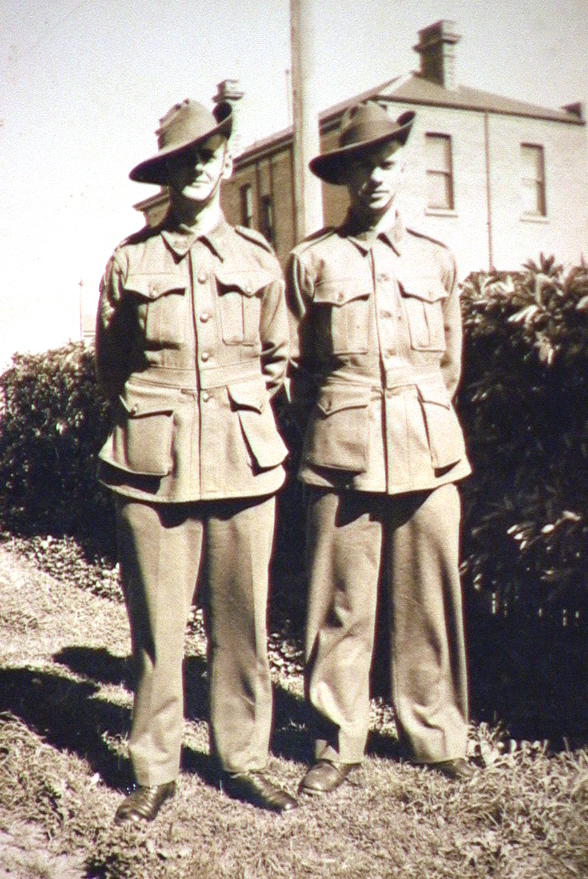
(246, 206)
(267, 218)
(533, 189)
(439, 171)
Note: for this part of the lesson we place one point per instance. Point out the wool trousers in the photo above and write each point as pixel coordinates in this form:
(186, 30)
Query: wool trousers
(164, 550)
(354, 539)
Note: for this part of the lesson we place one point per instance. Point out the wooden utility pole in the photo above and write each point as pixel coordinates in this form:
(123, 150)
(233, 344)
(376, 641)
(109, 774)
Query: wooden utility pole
(308, 200)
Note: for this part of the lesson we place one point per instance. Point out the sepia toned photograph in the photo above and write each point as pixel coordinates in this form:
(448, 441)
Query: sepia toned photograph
(294, 440)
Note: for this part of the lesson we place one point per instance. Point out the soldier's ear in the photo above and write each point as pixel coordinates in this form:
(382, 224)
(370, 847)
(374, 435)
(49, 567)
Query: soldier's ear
(227, 164)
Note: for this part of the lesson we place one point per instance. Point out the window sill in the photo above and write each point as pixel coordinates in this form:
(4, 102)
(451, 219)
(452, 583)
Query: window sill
(440, 212)
(532, 218)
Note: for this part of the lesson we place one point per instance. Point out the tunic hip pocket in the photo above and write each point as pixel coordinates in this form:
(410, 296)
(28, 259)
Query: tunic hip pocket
(256, 418)
(142, 439)
(444, 432)
(338, 431)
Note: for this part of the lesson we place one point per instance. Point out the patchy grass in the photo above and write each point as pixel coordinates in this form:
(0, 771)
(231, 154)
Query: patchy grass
(65, 708)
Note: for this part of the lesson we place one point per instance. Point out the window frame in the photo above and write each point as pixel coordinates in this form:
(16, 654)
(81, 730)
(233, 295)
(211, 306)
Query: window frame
(536, 183)
(246, 203)
(267, 218)
(446, 174)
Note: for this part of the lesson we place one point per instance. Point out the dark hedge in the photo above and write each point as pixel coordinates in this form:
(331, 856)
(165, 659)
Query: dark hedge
(523, 402)
(52, 424)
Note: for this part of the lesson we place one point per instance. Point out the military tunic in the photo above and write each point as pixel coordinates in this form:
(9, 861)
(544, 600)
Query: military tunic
(375, 361)
(191, 344)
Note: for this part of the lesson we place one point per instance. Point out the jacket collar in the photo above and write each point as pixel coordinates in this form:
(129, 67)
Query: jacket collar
(364, 240)
(180, 238)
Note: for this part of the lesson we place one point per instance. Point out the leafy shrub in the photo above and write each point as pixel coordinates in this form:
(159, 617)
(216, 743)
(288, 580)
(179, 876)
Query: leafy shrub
(524, 406)
(53, 422)
(523, 402)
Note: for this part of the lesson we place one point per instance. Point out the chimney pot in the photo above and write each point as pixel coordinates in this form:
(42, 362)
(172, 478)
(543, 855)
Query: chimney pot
(436, 46)
(228, 90)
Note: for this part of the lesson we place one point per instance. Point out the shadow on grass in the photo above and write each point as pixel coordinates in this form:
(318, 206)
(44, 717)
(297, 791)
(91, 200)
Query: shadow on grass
(72, 715)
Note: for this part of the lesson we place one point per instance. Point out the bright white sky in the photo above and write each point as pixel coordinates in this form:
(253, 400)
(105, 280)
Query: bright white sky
(84, 83)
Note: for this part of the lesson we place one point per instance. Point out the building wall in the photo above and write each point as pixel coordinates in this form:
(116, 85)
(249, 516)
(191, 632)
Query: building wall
(511, 238)
(267, 176)
(564, 230)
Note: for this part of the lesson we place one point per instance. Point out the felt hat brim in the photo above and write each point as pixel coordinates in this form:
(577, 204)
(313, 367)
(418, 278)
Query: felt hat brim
(154, 169)
(331, 166)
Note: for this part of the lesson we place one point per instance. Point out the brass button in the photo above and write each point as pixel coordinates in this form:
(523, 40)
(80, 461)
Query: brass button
(205, 396)
(205, 355)
(134, 409)
(204, 317)
(202, 278)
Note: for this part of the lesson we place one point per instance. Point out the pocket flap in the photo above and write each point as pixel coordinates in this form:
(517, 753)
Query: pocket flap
(434, 393)
(140, 400)
(334, 399)
(153, 286)
(244, 281)
(426, 289)
(339, 292)
(249, 395)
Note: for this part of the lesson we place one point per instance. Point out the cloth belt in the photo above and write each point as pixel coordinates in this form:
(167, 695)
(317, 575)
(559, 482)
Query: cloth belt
(211, 377)
(393, 379)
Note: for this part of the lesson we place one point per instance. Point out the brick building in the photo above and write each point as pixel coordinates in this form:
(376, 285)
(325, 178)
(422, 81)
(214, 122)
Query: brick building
(496, 179)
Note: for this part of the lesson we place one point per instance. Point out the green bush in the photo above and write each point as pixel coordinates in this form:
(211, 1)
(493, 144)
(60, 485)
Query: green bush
(53, 422)
(524, 406)
(523, 402)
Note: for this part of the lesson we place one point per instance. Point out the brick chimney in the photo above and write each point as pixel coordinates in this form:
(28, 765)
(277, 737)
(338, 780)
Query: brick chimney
(436, 46)
(228, 90)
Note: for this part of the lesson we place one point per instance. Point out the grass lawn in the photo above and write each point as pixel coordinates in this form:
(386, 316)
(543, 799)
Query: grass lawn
(65, 708)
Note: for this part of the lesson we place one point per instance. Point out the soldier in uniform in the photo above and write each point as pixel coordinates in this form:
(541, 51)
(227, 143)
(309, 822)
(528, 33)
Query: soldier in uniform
(191, 345)
(375, 359)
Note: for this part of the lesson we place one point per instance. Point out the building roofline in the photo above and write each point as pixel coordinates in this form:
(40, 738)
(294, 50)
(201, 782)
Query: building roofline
(398, 90)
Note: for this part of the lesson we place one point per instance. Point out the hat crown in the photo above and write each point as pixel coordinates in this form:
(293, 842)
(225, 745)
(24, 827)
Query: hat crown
(365, 122)
(183, 123)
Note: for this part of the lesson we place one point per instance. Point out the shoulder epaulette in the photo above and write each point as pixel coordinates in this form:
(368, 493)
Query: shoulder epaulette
(319, 235)
(419, 234)
(141, 235)
(255, 236)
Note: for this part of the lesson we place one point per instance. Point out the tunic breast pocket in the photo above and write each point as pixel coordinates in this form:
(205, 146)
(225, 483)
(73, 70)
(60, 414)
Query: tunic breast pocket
(239, 303)
(423, 305)
(161, 307)
(343, 316)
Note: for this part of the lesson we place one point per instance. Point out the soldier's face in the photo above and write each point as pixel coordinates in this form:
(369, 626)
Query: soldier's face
(195, 175)
(373, 181)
